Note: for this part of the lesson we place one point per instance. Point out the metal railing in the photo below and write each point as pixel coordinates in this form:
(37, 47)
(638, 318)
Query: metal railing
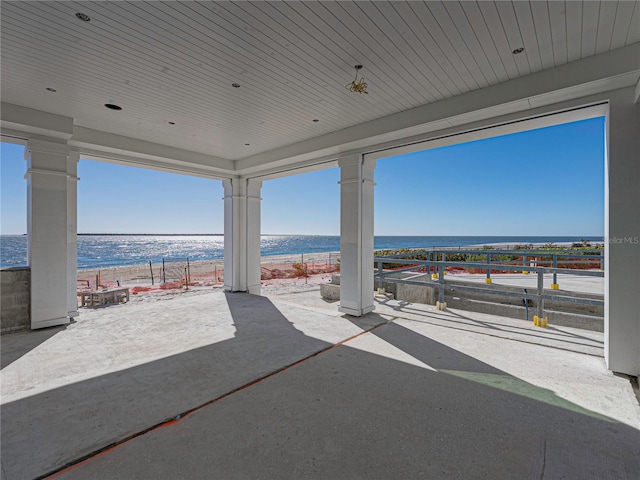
(431, 272)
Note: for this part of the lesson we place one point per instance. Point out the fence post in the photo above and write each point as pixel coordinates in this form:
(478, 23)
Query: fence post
(554, 285)
(186, 278)
(524, 264)
(380, 276)
(188, 272)
(164, 277)
(151, 270)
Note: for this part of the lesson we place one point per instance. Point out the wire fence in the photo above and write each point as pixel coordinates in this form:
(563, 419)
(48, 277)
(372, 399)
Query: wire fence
(176, 272)
(170, 273)
(296, 266)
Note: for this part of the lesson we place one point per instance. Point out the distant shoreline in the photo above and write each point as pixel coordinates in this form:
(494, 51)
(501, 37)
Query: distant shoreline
(103, 250)
(307, 235)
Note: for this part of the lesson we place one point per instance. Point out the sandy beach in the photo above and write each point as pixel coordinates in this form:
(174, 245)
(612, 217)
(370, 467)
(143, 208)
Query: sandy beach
(305, 269)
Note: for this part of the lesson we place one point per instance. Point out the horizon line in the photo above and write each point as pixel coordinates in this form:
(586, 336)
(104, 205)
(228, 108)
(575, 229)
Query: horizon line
(315, 235)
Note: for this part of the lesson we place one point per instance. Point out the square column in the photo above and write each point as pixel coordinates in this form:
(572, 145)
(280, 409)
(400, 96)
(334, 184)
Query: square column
(47, 226)
(356, 234)
(242, 235)
(622, 235)
(72, 234)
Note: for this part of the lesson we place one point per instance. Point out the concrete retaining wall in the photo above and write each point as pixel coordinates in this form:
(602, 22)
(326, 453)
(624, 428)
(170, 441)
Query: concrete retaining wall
(569, 315)
(15, 298)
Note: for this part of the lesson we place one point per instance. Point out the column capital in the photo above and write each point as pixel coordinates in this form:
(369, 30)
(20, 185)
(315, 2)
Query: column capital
(51, 147)
(350, 160)
(242, 187)
(357, 159)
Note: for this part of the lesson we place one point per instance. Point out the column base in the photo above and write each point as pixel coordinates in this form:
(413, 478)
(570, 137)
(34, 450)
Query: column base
(355, 312)
(73, 314)
(254, 289)
(50, 323)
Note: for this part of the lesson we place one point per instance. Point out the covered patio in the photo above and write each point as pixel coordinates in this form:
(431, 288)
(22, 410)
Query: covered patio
(244, 92)
(285, 387)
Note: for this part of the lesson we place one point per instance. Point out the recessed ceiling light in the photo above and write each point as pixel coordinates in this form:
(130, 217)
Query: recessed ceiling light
(316, 120)
(49, 89)
(518, 50)
(247, 144)
(83, 16)
(172, 123)
(113, 106)
(235, 85)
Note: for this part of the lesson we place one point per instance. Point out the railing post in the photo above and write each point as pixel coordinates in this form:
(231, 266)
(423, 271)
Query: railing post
(554, 285)
(379, 276)
(488, 279)
(433, 256)
(524, 263)
(441, 304)
(540, 320)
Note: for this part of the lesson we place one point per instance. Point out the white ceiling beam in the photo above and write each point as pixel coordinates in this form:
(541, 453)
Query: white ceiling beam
(35, 122)
(162, 166)
(118, 146)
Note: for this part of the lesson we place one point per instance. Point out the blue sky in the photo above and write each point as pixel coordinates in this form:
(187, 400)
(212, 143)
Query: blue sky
(541, 182)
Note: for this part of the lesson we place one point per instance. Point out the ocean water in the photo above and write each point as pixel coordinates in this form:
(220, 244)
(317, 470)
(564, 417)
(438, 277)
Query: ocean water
(101, 251)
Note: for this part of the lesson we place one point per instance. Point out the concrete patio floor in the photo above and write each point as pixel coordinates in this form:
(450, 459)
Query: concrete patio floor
(214, 385)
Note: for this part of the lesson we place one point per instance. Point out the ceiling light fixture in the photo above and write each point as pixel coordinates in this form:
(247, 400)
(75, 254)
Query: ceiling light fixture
(49, 89)
(247, 144)
(83, 16)
(235, 85)
(518, 50)
(172, 123)
(358, 86)
(113, 106)
(316, 120)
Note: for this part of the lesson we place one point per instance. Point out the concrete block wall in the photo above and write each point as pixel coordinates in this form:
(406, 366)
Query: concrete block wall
(15, 299)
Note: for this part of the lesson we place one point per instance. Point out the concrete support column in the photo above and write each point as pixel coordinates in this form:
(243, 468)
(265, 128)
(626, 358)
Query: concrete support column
(356, 234)
(242, 235)
(72, 234)
(47, 226)
(622, 235)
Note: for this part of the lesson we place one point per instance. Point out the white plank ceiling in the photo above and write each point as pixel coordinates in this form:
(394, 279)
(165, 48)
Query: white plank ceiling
(176, 62)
